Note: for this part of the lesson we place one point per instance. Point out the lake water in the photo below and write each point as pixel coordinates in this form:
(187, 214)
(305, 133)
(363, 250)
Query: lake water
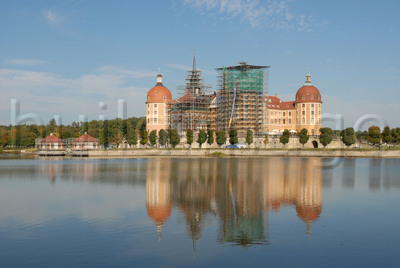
(211, 212)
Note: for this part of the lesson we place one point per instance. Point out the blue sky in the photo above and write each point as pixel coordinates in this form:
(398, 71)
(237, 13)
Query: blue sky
(64, 57)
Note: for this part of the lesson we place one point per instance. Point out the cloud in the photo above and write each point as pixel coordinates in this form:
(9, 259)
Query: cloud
(27, 62)
(272, 14)
(46, 93)
(53, 18)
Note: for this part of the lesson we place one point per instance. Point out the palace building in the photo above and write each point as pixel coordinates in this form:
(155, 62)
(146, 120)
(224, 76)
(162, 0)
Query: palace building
(242, 102)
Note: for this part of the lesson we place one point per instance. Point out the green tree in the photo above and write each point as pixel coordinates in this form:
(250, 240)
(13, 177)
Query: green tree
(221, 138)
(153, 137)
(249, 137)
(4, 138)
(326, 136)
(210, 137)
(144, 137)
(396, 135)
(387, 135)
(304, 136)
(189, 137)
(374, 135)
(348, 136)
(162, 137)
(131, 136)
(174, 138)
(266, 140)
(284, 139)
(103, 140)
(233, 139)
(202, 137)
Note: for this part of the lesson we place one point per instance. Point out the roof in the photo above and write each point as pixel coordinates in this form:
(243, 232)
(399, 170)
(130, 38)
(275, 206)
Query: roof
(308, 93)
(85, 138)
(159, 213)
(273, 102)
(158, 94)
(308, 213)
(51, 139)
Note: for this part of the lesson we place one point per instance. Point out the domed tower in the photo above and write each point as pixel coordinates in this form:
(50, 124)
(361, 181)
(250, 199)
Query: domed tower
(158, 99)
(308, 108)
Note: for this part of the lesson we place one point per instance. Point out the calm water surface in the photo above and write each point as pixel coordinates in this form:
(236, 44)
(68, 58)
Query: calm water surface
(278, 212)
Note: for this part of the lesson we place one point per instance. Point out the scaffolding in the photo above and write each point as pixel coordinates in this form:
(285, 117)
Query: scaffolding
(241, 102)
(191, 110)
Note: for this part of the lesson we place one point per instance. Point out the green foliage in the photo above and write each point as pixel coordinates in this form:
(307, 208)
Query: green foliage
(174, 138)
(374, 135)
(387, 135)
(189, 137)
(249, 137)
(210, 136)
(348, 136)
(103, 139)
(233, 139)
(221, 137)
(304, 136)
(162, 137)
(266, 139)
(217, 154)
(144, 137)
(326, 136)
(132, 137)
(153, 137)
(395, 135)
(284, 139)
(202, 137)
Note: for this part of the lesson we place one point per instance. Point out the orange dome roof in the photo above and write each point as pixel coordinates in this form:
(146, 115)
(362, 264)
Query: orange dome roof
(159, 213)
(308, 213)
(308, 93)
(159, 93)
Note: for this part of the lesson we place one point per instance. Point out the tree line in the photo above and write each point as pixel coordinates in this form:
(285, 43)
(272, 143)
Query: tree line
(133, 130)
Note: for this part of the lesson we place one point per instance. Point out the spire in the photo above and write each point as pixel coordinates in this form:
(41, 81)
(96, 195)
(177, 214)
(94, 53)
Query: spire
(159, 78)
(308, 78)
(194, 60)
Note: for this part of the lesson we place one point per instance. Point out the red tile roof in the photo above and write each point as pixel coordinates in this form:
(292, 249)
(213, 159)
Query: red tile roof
(85, 138)
(51, 139)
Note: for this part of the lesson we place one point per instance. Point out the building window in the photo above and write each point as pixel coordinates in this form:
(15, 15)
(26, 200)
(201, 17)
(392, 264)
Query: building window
(290, 113)
(148, 121)
(303, 112)
(303, 120)
(155, 106)
(304, 97)
(303, 105)
(312, 120)
(312, 132)
(312, 112)
(155, 112)
(276, 121)
(284, 113)
(284, 121)
(312, 105)
(290, 121)
(155, 121)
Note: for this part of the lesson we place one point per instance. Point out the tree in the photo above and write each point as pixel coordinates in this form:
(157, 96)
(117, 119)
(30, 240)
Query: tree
(249, 137)
(284, 139)
(210, 137)
(233, 139)
(189, 137)
(202, 137)
(144, 137)
(174, 138)
(396, 135)
(374, 135)
(348, 136)
(304, 136)
(131, 137)
(221, 137)
(162, 137)
(153, 137)
(387, 135)
(326, 136)
(266, 140)
(4, 138)
(103, 139)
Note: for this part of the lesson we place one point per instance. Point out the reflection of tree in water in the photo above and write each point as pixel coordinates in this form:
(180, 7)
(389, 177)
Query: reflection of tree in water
(374, 180)
(349, 170)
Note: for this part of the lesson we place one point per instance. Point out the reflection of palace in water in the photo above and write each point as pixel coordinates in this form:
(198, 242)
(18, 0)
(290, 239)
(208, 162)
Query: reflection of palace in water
(239, 192)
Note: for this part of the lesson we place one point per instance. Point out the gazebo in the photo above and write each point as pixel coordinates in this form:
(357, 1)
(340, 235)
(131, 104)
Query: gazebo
(51, 145)
(85, 142)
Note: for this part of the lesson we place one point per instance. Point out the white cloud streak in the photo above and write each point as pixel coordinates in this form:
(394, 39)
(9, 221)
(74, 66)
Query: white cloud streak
(273, 13)
(52, 17)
